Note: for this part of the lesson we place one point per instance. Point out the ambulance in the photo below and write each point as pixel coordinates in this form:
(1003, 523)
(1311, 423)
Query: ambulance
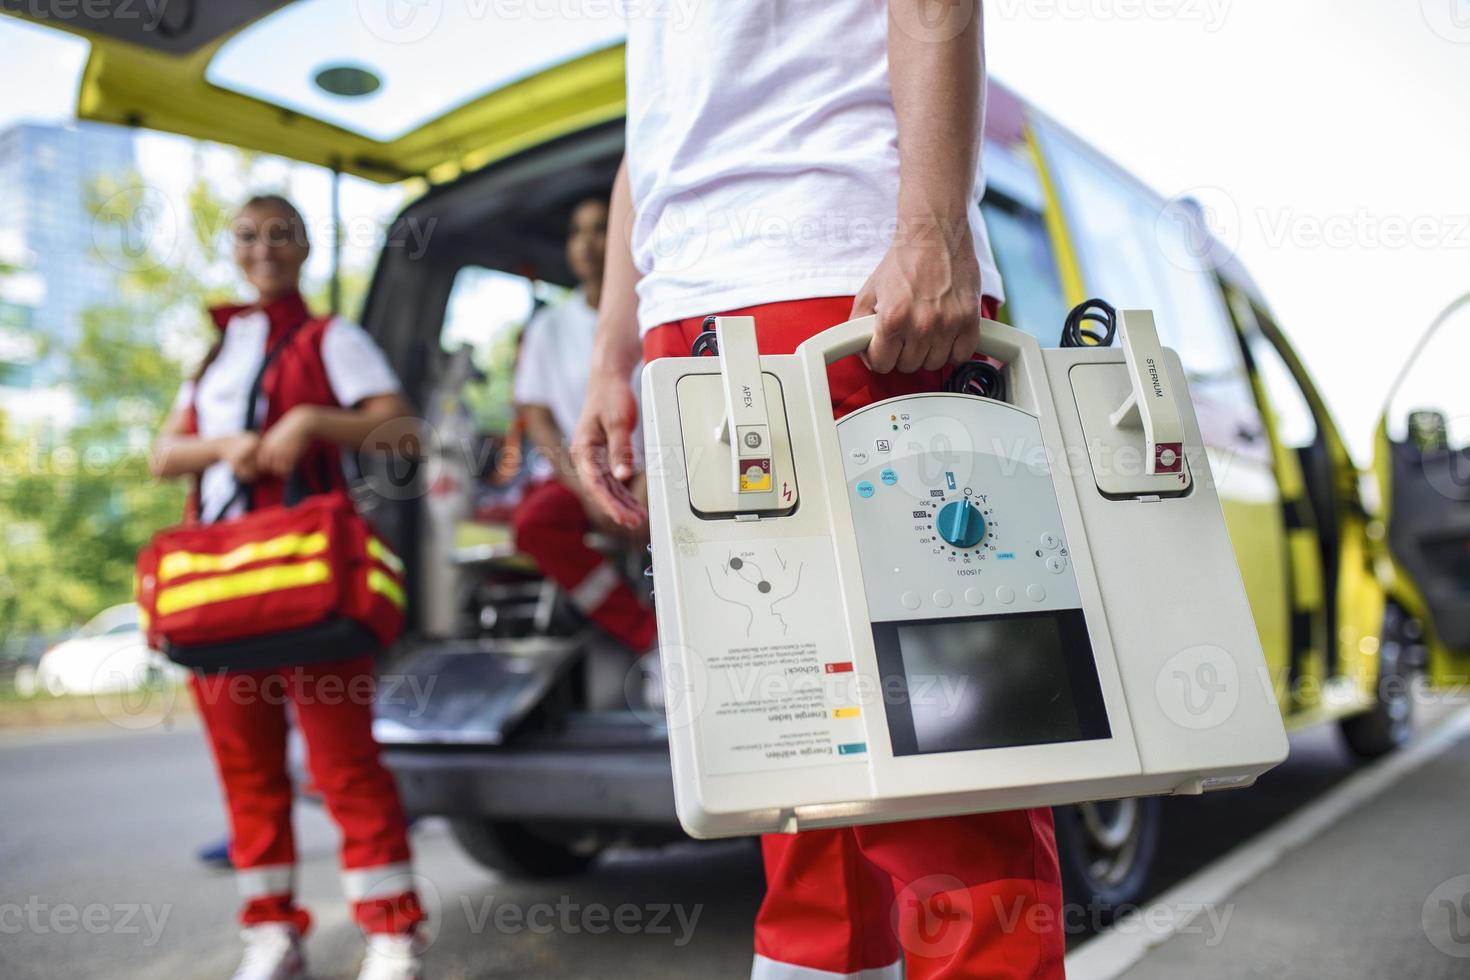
(534, 737)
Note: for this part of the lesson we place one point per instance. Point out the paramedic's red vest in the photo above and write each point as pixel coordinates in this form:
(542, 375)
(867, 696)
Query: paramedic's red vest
(298, 376)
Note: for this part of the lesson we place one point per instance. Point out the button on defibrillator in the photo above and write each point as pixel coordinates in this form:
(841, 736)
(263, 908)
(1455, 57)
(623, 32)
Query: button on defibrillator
(864, 489)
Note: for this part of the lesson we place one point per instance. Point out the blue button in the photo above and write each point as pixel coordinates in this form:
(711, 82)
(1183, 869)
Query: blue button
(865, 489)
(889, 477)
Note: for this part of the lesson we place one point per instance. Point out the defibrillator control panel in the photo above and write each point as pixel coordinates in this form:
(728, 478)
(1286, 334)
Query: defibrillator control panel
(943, 603)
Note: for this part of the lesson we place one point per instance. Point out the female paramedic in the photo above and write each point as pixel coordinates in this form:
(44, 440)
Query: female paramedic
(804, 163)
(328, 388)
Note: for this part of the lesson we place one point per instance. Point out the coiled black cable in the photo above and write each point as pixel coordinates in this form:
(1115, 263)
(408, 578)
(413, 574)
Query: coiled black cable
(707, 343)
(1074, 334)
(977, 378)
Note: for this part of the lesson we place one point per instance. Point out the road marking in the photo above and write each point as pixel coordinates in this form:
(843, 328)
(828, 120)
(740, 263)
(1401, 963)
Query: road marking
(1133, 935)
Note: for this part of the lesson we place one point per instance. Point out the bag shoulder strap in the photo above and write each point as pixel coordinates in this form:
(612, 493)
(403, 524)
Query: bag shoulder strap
(251, 422)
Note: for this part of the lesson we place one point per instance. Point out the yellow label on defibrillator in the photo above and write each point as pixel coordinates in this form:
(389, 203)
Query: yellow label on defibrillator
(755, 475)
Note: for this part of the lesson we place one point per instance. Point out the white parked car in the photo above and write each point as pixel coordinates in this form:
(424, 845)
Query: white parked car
(108, 655)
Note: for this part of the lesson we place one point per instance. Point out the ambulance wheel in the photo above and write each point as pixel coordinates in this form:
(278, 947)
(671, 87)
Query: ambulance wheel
(1389, 724)
(514, 849)
(1106, 851)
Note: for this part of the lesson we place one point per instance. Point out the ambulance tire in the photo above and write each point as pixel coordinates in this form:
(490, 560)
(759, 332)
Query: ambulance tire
(1389, 724)
(512, 848)
(1106, 851)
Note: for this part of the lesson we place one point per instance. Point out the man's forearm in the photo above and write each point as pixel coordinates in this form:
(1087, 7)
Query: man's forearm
(616, 348)
(936, 73)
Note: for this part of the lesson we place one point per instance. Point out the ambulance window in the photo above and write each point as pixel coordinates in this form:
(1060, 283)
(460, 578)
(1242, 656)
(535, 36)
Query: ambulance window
(1134, 253)
(1028, 270)
(1296, 425)
(486, 311)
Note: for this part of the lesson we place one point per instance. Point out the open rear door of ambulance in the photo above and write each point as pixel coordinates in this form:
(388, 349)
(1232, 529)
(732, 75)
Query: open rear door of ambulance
(386, 90)
(1421, 461)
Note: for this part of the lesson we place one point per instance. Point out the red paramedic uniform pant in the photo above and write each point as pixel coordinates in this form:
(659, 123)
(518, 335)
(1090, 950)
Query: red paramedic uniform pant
(955, 897)
(551, 526)
(244, 715)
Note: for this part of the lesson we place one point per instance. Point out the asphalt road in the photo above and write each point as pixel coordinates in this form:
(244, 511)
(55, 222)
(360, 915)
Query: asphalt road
(98, 876)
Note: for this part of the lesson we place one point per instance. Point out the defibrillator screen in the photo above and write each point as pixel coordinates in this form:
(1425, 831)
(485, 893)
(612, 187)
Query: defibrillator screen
(989, 682)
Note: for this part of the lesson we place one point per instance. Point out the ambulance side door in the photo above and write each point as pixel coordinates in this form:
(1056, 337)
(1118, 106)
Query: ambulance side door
(1134, 253)
(1422, 464)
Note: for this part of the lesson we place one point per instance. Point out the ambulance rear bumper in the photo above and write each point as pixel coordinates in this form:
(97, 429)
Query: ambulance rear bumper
(623, 786)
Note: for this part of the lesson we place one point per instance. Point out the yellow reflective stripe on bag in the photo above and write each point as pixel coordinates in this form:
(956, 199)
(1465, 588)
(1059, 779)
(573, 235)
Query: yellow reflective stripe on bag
(384, 554)
(384, 585)
(254, 582)
(177, 563)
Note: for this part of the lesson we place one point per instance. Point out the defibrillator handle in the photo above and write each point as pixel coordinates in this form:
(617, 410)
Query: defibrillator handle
(996, 340)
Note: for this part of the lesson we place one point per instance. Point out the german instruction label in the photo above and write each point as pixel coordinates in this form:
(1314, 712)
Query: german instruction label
(780, 688)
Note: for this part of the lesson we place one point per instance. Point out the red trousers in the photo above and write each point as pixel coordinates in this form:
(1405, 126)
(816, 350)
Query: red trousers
(551, 526)
(244, 715)
(956, 897)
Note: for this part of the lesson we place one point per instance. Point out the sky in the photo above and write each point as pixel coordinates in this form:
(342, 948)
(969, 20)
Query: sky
(1330, 140)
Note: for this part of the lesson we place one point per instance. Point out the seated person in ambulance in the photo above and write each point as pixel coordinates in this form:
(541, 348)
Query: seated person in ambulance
(552, 521)
(327, 390)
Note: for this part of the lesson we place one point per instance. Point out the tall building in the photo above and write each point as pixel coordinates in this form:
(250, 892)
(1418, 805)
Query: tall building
(49, 272)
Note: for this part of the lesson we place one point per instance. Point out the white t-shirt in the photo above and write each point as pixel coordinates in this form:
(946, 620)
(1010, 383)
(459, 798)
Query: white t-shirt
(763, 155)
(556, 359)
(356, 369)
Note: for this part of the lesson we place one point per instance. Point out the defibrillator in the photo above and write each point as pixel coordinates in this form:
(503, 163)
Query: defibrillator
(947, 602)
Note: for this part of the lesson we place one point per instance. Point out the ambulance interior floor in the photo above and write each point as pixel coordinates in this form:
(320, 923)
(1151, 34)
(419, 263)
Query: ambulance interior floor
(1372, 880)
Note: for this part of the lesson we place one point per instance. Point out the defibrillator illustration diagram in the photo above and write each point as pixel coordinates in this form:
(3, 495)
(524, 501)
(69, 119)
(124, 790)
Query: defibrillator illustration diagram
(758, 583)
(944, 603)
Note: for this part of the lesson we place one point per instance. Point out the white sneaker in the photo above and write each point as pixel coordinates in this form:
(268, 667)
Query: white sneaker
(393, 958)
(272, 952)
